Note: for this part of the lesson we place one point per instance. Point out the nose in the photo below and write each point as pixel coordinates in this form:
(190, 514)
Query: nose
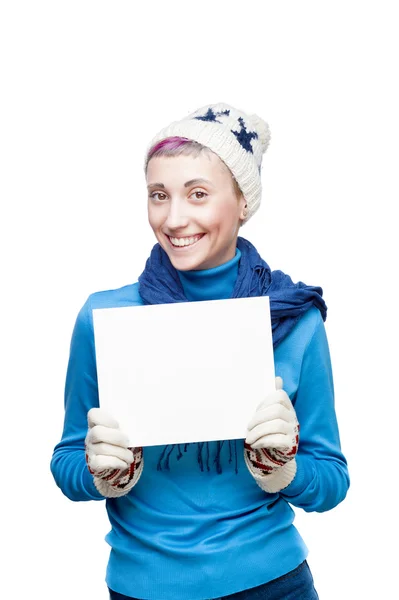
(177, 217)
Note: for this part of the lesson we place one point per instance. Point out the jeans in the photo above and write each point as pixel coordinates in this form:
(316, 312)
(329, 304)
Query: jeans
(295, 585)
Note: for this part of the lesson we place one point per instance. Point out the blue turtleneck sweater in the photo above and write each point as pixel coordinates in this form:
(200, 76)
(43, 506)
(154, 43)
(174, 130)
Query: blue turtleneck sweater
(211, 284)
(185, 534)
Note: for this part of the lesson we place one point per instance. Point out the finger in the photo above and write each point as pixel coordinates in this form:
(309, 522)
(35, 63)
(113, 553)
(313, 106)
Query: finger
(285, 400)
(279, 396)
(99, 433)
(101, 463)
(271, 428)
(279, 383)
(98, 416)
(269, 413)
(277, 441)
(109, 450)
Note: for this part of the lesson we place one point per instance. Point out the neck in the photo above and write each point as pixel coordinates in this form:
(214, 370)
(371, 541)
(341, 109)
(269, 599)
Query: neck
(211, 284)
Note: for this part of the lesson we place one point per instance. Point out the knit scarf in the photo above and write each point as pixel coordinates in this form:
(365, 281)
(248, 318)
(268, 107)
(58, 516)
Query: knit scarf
(160, 284)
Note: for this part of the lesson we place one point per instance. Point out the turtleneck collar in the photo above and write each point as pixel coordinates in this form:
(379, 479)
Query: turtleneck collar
(211, 284)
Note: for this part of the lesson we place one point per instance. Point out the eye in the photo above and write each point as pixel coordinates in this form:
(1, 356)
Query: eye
(159, 199)
(201, 197)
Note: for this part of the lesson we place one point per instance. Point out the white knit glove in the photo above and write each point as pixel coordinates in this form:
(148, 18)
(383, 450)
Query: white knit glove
(272, 441)
(115, 467)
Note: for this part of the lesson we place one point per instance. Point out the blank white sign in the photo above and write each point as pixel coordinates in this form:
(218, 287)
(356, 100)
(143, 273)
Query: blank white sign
(184, 372)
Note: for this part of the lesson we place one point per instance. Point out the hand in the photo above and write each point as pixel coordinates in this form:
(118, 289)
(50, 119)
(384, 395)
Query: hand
(272, 441)
(275, 424)
(106, 446)
(115, 467)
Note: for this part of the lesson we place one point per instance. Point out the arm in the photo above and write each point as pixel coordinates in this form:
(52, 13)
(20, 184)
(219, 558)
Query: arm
(68, 463)
(317, 479)
(322, 478)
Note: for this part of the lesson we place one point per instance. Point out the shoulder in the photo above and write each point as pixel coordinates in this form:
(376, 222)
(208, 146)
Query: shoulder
(305, 345)
(82, 342)
(309, 323)
(307, 326)
(300, 337)
(127, 295)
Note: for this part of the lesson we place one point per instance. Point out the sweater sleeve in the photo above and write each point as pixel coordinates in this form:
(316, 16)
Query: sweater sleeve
(68, 463)
(322, 480)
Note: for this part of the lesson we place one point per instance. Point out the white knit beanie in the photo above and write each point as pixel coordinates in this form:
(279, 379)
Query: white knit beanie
(237, 138)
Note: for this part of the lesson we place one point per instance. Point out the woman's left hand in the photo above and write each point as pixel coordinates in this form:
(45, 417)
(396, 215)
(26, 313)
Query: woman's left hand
(274, 424)
(272, 441)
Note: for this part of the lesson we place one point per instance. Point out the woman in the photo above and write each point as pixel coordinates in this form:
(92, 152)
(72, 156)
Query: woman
(210, 520)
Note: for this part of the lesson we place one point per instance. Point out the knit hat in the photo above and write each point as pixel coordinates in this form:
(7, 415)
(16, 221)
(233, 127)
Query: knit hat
(237, 138)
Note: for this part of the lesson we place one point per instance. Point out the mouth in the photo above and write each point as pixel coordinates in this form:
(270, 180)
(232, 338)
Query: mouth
(179, 243)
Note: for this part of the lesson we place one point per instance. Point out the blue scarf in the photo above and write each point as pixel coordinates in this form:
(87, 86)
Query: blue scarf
(160, 284)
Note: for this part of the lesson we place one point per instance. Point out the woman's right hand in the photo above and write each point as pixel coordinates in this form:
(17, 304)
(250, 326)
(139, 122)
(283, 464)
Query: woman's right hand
(116, 468)
(106, 445)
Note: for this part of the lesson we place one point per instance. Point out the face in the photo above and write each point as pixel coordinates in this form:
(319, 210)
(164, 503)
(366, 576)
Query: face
(194, 210)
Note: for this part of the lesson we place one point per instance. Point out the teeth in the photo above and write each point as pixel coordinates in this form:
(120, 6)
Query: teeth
(184, 241)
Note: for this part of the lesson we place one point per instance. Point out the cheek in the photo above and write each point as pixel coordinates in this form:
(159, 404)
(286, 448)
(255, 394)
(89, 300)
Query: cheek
(154, 218)
(223, 216)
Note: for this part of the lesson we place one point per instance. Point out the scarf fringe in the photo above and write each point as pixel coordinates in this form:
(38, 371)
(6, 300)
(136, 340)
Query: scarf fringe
(164, 463)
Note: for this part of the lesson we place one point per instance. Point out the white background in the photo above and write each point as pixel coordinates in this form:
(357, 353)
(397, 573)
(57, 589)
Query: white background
(85, 85)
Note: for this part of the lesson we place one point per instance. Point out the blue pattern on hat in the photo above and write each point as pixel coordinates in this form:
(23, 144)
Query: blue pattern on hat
(211, 116)
(244, 136)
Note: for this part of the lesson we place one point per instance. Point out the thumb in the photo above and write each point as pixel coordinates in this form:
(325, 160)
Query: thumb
(98, 416)
(279, 383)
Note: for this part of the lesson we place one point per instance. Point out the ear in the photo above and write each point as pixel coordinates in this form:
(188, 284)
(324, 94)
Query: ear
(244, 209)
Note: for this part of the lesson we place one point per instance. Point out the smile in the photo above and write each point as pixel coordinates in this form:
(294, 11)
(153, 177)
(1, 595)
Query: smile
(185, 241)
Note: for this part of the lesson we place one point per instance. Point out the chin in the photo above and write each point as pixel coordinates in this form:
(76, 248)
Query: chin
(186, 264)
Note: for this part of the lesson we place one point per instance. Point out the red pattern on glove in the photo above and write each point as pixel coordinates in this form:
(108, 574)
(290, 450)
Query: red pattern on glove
(266, 461)
(120, 478)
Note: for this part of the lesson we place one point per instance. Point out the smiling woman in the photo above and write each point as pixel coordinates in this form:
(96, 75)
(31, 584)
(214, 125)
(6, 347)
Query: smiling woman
(209, 519)
(195, 209)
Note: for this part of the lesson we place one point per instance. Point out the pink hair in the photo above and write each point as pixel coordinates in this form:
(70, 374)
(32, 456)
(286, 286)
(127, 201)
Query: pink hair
(173, 146)
(170, 143)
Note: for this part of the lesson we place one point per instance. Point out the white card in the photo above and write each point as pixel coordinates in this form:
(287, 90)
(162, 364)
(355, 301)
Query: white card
(184, 372)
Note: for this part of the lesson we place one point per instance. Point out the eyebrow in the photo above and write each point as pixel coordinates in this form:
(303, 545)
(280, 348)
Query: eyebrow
(187, 184)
